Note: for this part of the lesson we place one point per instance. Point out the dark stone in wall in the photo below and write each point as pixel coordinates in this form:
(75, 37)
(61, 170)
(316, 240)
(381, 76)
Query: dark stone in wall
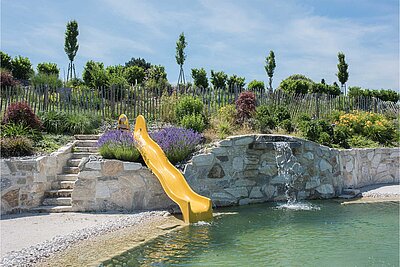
(216, 171)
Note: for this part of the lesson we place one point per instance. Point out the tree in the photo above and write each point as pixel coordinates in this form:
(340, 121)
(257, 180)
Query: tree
(140, 62)
(181, 56)
(297, 84)
(235, 81)
(270, 67)
(116, 69)
(5, 61)
(94, 74)
(48, 68)
(71, 46)
(200, 78)
(343, 74)
(256, 85)
(218, 79)
(157, 79)
(134, 74)
(21, 68)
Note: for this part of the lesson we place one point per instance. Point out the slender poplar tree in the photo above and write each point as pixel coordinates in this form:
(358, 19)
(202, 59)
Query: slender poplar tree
(180, 57)
(270, 68)
(71, 46)
(343, 74)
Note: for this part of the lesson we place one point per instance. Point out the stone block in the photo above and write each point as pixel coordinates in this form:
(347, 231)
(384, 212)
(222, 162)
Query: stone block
(89, 174)
(308, 155)
(216, 171)
(325, 190)
(220, 151)
(302, 195)
(244, 182)
(4, 169)
(93, 165)
(112, 167)
(268, 169)
(251, 159)
(221, 199)
(225, 143)
(203, 159)
(5, 183)
(102, 190)
(243, 141)
(238, 192)
(11, 198)
(21, 181)
(279, 179)
(325, 166)
(223, 158)
(313, 182)
(270, 191)
(256, 192)
(238, 163)
(349, 166)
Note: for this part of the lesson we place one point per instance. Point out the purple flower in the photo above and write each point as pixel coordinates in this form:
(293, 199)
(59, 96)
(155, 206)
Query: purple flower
(177, 143)
(116, 137)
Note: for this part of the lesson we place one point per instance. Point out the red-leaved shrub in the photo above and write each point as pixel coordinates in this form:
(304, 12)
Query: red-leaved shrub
(246, 106)
(7, 80)
(21, 113)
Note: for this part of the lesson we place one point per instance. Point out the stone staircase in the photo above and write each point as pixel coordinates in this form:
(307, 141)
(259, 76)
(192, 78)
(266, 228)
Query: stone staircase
(58, 198)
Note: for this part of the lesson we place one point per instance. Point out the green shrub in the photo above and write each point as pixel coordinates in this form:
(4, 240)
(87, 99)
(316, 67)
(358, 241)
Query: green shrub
(54, 122)
(224, 129)
(227, 114)
(194, 122)
(263, 119)
(15, 130)
(362, 141)
(81, 124)
(325, 139)
(16, 147)
(106, 151)
(281, 113)
(287, 125)
(341, 136)
(116, 144)
(50, 143)
(312, 129)
(187, 106)
(168, 106)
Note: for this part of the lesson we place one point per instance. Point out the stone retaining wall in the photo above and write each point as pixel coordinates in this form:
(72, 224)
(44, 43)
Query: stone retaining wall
(244, 169)
(24, 181)
(104, 185)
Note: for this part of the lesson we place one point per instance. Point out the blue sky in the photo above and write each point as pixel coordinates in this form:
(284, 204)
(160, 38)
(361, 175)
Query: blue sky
(233, 36)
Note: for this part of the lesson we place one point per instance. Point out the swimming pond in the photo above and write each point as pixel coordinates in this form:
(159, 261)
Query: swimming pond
(320, 233)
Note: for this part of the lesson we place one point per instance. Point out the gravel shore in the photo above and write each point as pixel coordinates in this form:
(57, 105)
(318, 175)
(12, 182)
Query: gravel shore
(72, 228)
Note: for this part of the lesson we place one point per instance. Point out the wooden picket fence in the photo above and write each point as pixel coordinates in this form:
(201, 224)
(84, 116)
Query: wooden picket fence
(109, 102)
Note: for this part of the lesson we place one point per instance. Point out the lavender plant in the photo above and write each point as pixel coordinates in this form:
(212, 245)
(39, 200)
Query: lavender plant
(177, 143)
(117, 144)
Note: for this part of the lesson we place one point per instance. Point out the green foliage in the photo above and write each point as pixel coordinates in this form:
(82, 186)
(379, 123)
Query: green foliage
(264, 121)
(218, 79)
(117, 70)
(180, 47)
(51, 81)
(21, 68)
(312, 130)
(256, 85)
(118, 84)
(120, 152)
(227, 114)
(287, 125)
(343, 74)
(323, 88)
(5, 61)
(51, 143)
(134, 74)
(200, 78)
(270, 67)
(362, 142)
(140, 62)
(168, 106)
(341, 136)
(297, 84)
(15, 130)
(75, 83)
(54, 122)
(81, 124)
(16, 147)
(157, 73)
(22, 113)
(384, 95)
(188, 105)
(48, 68)
(71, 45)
(236, 81)
(94, 74)
(193, 121)
(224, 129)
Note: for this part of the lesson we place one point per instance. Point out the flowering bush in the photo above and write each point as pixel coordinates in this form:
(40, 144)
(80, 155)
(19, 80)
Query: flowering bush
(177, 143)
(371, 125)
(117, 144)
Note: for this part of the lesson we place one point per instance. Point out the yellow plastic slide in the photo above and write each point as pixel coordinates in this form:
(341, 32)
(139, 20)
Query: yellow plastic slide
(193, 206)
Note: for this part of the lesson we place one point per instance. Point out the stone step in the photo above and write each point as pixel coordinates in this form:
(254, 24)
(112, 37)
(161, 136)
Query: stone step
(57, 201)
(58, 193)
(85, 149)
(87, 136)
(73, 162)
(50, 209)
(63, 185)
(67, 177)
(79, 155)
(70, 170)
(86, 143)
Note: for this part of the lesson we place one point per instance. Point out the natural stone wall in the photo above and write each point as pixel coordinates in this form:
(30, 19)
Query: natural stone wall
(244, 169)
(117, 185)
(368, 166)
(24, 181)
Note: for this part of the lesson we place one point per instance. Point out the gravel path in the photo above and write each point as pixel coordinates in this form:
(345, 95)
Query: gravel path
(381, 191)
(27, 239)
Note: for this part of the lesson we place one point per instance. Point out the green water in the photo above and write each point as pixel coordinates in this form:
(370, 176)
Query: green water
(319, 234)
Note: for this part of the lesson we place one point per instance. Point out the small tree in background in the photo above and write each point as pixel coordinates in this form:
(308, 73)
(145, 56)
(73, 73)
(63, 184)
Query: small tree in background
(200, 78)
(256, 85)
(218, 79)
(134, 74)
(343, 74)
(21, 68)
(180, 57)
(234, 80)
(94, 74)
(71, 46)
(270, 68)
(140, 62)
(48, 68)
(5, 61)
